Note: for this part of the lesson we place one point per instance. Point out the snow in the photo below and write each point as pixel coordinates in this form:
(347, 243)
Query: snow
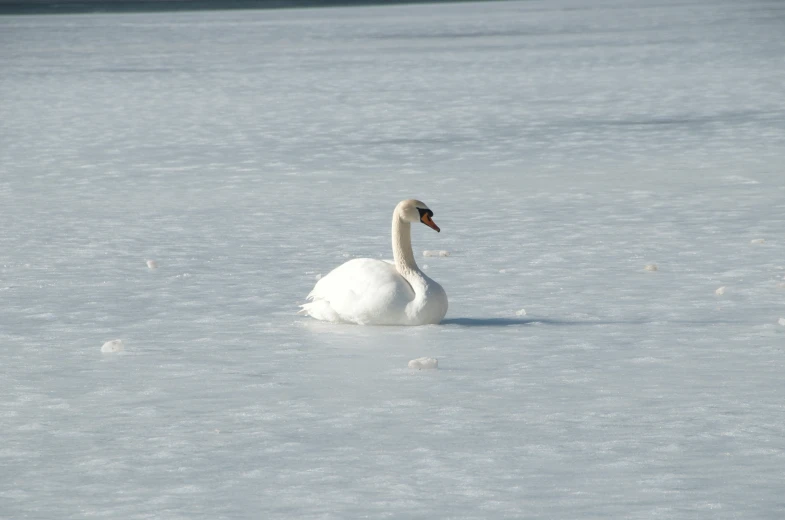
(424, 362)
(561, 147)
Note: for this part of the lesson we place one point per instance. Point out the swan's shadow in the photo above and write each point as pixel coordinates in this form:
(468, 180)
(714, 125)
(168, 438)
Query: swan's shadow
(499, 322)
(509, 322)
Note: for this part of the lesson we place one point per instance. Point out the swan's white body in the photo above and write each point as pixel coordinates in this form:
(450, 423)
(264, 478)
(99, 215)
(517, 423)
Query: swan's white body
(374, 292)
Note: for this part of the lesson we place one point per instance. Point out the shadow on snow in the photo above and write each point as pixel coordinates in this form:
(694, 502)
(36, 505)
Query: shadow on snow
(509, 322)
(505, 322)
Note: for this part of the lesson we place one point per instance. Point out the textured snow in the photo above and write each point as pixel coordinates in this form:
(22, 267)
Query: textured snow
(435, 253)
(562, 146)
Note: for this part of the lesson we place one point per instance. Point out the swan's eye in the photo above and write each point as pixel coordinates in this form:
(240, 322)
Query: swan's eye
(425, 215)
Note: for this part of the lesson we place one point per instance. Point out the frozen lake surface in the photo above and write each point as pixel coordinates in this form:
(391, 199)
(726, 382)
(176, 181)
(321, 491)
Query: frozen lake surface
(563, 148)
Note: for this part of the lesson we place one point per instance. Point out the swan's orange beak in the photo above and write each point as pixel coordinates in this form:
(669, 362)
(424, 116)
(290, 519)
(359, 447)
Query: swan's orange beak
(428, 221)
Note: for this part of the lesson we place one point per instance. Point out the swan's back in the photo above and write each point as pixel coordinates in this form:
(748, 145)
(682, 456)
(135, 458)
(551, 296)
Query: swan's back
(363, 291)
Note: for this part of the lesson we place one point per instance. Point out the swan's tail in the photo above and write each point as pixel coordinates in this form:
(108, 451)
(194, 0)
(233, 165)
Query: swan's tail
(319, 309)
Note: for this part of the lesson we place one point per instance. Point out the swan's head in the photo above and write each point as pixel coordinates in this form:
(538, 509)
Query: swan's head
(416, 211)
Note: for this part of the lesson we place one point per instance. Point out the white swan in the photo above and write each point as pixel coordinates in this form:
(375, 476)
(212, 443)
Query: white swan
(375, 292)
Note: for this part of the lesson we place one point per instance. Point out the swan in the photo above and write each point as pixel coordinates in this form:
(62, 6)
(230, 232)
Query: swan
(366, 291)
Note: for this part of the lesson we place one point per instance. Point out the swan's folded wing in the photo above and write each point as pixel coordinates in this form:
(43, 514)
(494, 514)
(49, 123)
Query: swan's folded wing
(362, 290)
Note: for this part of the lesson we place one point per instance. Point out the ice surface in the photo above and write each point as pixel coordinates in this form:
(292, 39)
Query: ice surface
(424, 362)
(562, 145)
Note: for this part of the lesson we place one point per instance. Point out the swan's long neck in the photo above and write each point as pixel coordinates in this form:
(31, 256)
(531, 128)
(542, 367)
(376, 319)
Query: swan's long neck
(403, 254)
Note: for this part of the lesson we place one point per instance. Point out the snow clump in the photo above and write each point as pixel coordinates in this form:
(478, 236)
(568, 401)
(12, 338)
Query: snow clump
(424, 362)
(115, 345)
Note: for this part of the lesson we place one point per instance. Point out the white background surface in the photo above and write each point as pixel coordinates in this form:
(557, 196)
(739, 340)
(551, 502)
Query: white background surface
(562, 147)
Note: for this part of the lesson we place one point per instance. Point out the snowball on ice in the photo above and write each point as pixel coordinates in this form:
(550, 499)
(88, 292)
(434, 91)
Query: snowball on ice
(152, 264)
(435, 253)
(424, 362)
(758, 241)
(116, 345)
(720, 291)
(651, 267)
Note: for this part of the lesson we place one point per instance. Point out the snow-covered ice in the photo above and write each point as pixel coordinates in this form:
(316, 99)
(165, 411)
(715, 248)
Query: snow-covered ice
(562, 146)
(424, 363)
